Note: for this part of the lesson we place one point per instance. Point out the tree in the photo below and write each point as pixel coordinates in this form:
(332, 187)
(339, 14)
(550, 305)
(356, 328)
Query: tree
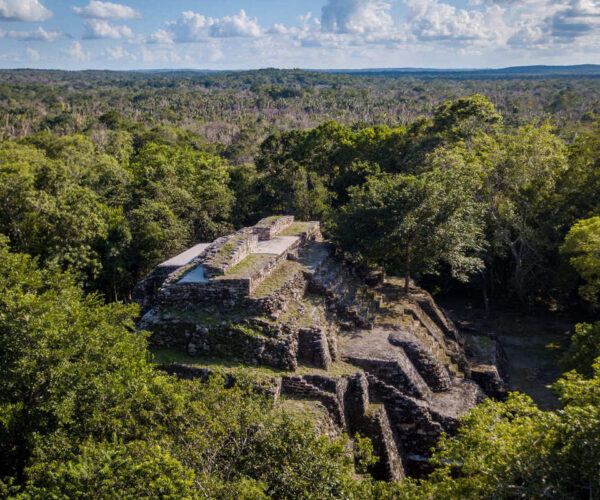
(523, 171)
(194, 185)
(515, 450)
(583, 349)
(413, 223)
(582, 250)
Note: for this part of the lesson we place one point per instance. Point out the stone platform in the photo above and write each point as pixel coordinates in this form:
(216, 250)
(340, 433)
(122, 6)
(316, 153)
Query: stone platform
(274, 295)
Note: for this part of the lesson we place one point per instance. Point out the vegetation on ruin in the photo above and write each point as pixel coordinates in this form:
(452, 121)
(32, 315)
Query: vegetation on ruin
(248, 266)
(103, 176)
(294, 229)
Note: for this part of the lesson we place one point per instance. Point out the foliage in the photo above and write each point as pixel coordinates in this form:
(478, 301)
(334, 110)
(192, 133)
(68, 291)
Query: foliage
(413, 223)
(421, 175)
(515, 450)
(583, 349)
(582, 249)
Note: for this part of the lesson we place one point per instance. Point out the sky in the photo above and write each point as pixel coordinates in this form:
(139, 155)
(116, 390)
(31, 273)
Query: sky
(318, 34)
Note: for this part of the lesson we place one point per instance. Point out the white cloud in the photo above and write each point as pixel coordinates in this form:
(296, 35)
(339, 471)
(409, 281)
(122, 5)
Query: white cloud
(356, 16)
(107, 10)
(161, 36)
(97, 28)
(32, 55)
(191, 27)
(23, 10)
(76, 52)
(430, 20)
(238, 25)
(119, 53)
(39, 35)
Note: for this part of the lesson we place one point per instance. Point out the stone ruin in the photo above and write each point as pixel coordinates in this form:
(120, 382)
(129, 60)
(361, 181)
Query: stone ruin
(344, 338)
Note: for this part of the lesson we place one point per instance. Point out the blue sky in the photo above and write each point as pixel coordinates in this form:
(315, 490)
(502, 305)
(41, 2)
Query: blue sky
(239, 34)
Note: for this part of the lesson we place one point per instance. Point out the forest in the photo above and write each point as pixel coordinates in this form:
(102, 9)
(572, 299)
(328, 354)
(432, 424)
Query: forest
(485, 187)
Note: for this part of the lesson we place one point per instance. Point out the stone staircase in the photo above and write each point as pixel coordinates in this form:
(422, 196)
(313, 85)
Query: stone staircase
(351, 299)
(432, 343)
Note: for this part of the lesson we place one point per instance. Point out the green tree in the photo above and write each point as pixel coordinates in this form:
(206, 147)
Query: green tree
(583, 349)
(413, 223)
(194, 185)
(515, 450)
(582, 250)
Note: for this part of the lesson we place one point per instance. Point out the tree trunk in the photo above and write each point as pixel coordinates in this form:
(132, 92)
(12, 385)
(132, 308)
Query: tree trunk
(407, 274)
(486, 299)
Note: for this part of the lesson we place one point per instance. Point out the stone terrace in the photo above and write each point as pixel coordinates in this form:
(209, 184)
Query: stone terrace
(229, 268)
(274, 296)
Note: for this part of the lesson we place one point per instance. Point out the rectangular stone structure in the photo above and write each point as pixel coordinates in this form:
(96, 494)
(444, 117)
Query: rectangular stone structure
(270, 227)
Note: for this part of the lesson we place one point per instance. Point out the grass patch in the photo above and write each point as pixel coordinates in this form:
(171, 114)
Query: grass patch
(314, 314)
(338, 369)
(217, 365)
(169, 355)
(308, 410)
(224, 366)
(268, 221)
(245, 268)
(277, 278)
(294, 229)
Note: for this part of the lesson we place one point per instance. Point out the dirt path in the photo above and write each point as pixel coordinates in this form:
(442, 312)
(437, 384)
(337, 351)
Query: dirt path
(533, 346)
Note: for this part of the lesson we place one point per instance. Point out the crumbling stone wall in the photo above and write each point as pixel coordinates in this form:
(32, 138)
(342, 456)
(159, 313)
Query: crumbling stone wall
(298, 387)
(410, 390)
(252, 341)
(450, 346)
(277, 301)
(411, 419)
(145, 292)
(269, 227)
(224, 253)
(313, 347)
(399, 373)
(230, 292)
(372, 421)
(186, 296)
(433, 372)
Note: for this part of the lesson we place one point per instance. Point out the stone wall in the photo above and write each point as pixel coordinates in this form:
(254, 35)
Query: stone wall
(298, 387)
(228, 251)
(444, 323)
(433, 372)
(313, 347)
(145, 292)
(312, 232)
(267, 228)
(259, 273)
(231, 292)
(411, 419)
(399, 373)
(186, 296)
(372, 421)
(277, 301)
(252, 341)
(450, 346)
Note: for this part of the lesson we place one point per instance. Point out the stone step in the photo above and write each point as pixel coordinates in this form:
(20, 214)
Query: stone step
(432, 344)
